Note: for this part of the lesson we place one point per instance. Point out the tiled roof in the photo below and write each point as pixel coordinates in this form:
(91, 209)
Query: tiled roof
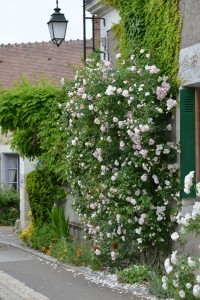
(34, 60)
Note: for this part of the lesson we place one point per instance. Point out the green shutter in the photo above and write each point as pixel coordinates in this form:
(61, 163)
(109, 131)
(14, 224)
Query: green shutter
(187, 136)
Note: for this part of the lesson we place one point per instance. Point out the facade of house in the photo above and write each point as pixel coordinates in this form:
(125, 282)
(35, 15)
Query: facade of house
(33, 61)
(108, 17)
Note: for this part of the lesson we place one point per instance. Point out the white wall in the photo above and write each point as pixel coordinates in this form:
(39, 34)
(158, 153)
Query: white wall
(26, 166)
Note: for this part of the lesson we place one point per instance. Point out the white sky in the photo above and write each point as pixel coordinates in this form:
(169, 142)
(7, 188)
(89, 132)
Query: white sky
(24, 21)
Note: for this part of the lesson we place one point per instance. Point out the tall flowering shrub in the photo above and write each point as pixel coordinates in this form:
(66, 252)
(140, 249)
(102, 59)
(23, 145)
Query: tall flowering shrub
(120, 160)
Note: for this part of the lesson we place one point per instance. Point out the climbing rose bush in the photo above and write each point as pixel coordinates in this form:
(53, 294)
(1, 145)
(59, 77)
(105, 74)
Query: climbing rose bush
(121, 161)
(182, 271)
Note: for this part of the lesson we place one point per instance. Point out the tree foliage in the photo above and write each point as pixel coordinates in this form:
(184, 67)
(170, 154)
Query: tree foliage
(27, 109)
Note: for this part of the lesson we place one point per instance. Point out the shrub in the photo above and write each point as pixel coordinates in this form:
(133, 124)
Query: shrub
(43, 191)
(134, 274)
(121, 160)
(9, 207)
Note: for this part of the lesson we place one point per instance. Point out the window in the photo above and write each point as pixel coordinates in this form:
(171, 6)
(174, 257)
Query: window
(12, 171)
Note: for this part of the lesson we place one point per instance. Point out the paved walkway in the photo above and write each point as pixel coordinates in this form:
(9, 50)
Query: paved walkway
(18, 291)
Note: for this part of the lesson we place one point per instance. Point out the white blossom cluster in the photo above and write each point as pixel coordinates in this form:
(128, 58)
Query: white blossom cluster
(176, 265)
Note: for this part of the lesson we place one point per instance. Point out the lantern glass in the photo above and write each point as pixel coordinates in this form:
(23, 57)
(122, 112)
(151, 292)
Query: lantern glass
(57, 27)
(57, 30)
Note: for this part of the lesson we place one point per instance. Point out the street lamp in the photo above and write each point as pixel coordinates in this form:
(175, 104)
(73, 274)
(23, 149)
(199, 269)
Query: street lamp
(57, 26)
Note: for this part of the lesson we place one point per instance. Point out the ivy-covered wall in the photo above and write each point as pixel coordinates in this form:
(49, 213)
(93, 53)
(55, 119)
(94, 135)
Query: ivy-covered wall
(151, 24)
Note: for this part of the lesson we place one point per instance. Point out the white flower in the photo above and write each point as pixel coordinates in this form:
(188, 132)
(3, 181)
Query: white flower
(175, 236)
(191, 262)
(198, 189)
(198, 278)
(138, 230)
(144, 177)
(118, 55)
(188, 182)
(188, 285)
(181, 294)
(142, 51)
(115, 119)
(173, 257)
(113, 255)
(196, 290)
(97, 252)
(175, 283)
(164, 282)
(169, 127)
(91, 107)
(196, 209)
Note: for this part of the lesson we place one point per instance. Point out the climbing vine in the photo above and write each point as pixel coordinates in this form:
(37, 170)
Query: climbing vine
(151, 24)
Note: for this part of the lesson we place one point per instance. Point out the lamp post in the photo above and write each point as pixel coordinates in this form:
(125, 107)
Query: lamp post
(57, 26)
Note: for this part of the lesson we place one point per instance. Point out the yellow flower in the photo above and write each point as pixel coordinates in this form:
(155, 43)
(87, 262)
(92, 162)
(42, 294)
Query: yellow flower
(48, 252)
(43, 248)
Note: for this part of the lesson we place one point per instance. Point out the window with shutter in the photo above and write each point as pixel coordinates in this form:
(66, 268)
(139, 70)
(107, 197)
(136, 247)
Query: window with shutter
(187, 136)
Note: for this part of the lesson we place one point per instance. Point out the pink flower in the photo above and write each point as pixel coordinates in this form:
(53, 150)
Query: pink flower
(107, 63)
(110, 90)
(153, 70)
(148, 55)
(171, 103)
(161, 93)
(125, 93)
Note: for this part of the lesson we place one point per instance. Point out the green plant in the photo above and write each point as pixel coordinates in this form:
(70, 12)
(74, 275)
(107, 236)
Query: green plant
(42, 237)
(155, 286)
(150, 24)
(74, 252)
(134, 274)
(43, 190)
(59, 224)
(9, 207)
(27, 233)
(118, 124)
(23, 109)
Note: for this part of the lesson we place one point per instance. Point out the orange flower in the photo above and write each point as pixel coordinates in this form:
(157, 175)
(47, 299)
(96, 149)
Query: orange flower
(75, 259)
(79, 253)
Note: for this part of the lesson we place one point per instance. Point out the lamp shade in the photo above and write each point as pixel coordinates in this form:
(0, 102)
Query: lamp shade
(57, 27)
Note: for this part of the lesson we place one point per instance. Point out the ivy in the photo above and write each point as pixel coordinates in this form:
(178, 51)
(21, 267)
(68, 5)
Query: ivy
(151, 24)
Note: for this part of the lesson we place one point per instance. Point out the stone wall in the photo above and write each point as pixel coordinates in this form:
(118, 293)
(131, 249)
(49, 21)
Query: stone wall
(190, 10)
